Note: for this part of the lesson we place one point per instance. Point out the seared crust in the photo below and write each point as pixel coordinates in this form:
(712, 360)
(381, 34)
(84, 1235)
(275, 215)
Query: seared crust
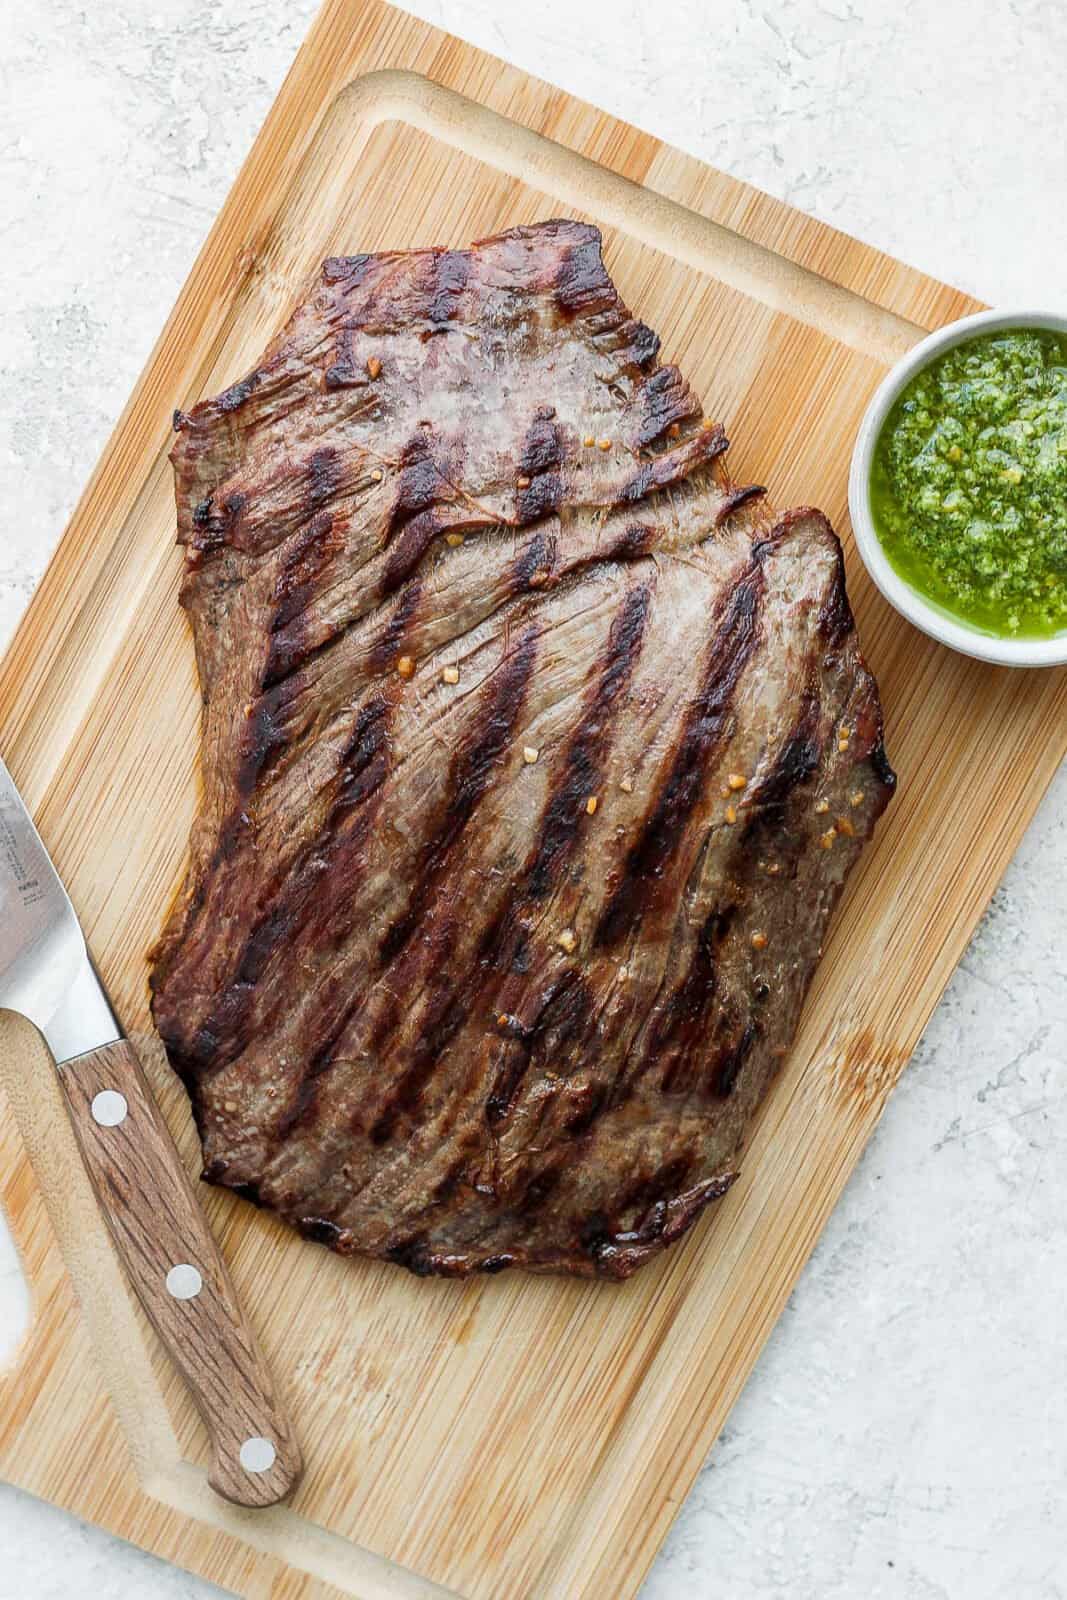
(430, 1001)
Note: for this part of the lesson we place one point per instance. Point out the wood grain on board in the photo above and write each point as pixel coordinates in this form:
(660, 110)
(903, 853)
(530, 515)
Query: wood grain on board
(505, 1438)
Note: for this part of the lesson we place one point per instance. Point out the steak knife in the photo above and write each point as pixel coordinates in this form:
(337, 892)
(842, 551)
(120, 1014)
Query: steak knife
(142, 1187)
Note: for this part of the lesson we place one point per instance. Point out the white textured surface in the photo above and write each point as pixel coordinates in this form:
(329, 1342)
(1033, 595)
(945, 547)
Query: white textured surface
(905, 1434)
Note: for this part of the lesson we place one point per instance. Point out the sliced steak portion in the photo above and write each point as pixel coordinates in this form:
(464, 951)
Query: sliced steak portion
(535, 754)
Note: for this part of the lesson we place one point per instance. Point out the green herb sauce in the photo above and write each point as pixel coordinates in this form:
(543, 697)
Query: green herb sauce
(969, 483)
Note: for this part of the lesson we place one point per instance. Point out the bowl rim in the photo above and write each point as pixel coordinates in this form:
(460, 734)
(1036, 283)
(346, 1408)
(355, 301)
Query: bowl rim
(901, 596)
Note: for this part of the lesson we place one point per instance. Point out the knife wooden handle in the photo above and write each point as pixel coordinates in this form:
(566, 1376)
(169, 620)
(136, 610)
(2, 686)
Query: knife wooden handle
(180, 1277)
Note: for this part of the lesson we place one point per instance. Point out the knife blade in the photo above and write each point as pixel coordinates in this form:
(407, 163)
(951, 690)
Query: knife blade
(45, 972)
(144, 1191)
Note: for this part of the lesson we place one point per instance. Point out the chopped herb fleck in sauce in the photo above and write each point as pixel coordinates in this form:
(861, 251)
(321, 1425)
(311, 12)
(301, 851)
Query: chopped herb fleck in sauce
(969, 483)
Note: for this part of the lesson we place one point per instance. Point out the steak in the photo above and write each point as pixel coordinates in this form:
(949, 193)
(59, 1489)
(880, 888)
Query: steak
(535, 755)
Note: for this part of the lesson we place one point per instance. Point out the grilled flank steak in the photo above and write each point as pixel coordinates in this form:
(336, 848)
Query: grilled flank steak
(535, 754)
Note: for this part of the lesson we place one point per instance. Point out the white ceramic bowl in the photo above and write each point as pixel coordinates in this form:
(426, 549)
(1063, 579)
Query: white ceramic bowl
(900, 594)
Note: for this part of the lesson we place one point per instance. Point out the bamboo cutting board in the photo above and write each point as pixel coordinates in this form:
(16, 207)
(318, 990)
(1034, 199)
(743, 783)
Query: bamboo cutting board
(505, 1438)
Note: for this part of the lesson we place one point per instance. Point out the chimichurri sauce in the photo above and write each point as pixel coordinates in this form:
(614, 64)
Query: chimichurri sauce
(969, 483)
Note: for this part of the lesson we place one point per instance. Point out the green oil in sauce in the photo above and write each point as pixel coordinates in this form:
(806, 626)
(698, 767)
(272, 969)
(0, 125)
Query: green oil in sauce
(969, 483)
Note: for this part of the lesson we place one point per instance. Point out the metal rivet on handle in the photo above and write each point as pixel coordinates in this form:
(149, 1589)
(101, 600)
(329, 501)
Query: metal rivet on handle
(258, 1455)
(184, 1281)
(109, 1108)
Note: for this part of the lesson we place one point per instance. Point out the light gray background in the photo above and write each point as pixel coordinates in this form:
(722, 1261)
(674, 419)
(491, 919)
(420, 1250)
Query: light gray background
(905, 1434)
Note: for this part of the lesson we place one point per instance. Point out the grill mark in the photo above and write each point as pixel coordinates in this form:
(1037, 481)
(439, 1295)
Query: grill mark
(324, 477)
(386, 647)
(504, 944)
(344, 374)
(449, 1011)
(644, 345)
(344, 371)
(298, 585)
(880, 765)
(541, 460)
(534, 566)
(835, 614)
(633, 542)
(797, 761)
(562, 1014)
(581, 282)
(684, 1016)
(769, 542)
(664, 398)
(536, 556)
(439, 936)
(420, 484)
(305, 561)
(736, 498)
(445, 1020)
(733, 1059)
(625, 1077)
(267, 734)
(261, 943)
(579, 772)
(233, 398)
(423, 508)
(362, 771)
(190, 1058)
(361, 765)
(303, 1105)
(293, 649)
(269, 731)
(542, 448)
(349, 270)
(703, 731)
(215, 525)
(541, 498)
(445, 1187)
(470, 774)
(292, 894)
(668, 468)
(448, 273)
(285, 496)
(265, 737)
(409, 548)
